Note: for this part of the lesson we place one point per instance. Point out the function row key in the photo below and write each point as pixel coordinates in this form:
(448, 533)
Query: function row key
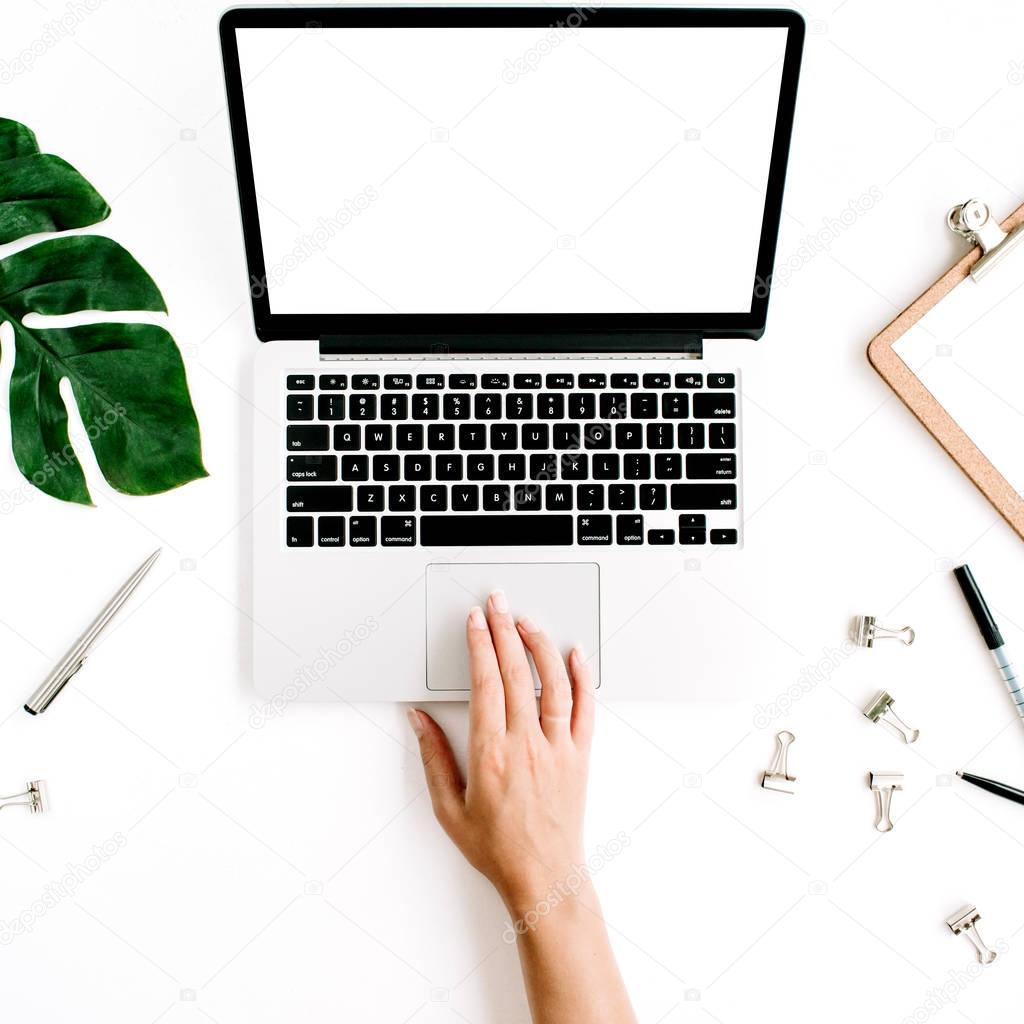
(366, 382)
(559, 381)
(300, 382)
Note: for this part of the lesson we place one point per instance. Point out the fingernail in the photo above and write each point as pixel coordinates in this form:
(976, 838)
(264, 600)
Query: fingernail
(476, 618)
(529, 625)
(499, 601)
(415, 722)
(577, 653)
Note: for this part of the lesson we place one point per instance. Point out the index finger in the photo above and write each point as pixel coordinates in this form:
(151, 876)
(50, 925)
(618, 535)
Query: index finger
(486, 690)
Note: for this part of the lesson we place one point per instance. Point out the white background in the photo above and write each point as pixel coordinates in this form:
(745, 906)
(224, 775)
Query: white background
(293, 870)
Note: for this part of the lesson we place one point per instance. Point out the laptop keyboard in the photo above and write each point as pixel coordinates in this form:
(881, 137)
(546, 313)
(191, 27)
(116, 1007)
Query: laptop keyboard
(546, 459)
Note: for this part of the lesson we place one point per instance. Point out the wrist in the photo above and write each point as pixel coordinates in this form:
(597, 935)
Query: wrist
(529, 902)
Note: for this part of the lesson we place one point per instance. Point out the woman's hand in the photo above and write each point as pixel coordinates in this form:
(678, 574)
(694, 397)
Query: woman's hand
(518, 817)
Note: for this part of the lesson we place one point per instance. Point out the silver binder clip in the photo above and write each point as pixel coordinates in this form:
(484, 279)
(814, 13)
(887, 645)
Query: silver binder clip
(964, 921)
(974, 221)
(34, 798)
(866, 630)
(777, 777)
(880, 710)
(883, 784)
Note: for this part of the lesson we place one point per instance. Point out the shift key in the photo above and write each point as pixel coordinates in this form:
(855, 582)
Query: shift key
(701, 497)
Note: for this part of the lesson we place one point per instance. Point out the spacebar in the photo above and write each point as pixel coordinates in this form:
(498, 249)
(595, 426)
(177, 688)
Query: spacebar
(497, 529)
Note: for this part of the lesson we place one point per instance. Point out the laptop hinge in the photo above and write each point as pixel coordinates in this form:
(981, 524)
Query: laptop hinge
(593, 344)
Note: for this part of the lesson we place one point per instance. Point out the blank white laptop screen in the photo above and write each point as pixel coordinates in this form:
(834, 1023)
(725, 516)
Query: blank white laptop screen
(511, 170)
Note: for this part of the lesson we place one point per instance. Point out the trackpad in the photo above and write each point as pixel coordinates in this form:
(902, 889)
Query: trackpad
(563, 598)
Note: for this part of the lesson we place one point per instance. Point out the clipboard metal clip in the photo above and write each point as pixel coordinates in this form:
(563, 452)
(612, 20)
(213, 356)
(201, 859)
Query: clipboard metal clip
(974, 221)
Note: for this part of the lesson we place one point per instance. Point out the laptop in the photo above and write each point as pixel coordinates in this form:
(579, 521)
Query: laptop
(491, 253)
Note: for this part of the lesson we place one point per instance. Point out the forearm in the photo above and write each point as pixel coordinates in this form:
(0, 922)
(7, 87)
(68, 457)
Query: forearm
(568, 966)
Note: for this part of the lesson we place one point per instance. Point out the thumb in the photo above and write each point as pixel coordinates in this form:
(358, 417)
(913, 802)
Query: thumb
(444, 780)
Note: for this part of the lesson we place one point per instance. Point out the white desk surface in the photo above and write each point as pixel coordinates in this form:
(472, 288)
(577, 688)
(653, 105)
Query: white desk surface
(291, 868)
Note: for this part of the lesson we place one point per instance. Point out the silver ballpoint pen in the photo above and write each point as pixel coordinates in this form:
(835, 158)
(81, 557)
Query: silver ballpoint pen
(62, 672)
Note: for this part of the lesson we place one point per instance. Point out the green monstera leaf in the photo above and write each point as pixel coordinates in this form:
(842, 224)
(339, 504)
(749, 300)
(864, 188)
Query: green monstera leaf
(127, 379)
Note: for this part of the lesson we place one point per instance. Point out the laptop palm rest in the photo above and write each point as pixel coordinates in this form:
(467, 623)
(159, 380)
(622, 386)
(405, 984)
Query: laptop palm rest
(563, 598)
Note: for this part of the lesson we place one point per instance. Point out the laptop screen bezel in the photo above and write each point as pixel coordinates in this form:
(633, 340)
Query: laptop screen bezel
(488, 332)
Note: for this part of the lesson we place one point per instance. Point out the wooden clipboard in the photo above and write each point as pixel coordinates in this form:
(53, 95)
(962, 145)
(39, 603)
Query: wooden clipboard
(964, 452)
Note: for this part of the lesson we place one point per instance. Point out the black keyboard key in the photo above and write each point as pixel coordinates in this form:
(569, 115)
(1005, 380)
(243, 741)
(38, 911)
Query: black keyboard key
(330, 531)
(625, 380)
(327, 498)
(402, 498)
(456, 406)
(661, 536)
(398, 382)
(495, 381)
(582, 407)
(362, 407)
(409, 439)
(330, 407)
(690, 535)
(724, 537)
(636, 467)
(448, 467)
(675, 405)
(558, 497)
(527, 497)
(629, 529)
(512, 467)
(643, 406)
(394, 407)
(714, 407)
(657, 380)
(559, 381)
(550, 407)
(535, 436)
(622, 497)
(660, 435)
(605, 467)
(653, 496)
(526, 380)
(612, 405)
(721, 435)
(416, 467)
(355, 467)
(397, 531)
(504, 437)
(387, 467)
(441, 437)
(691, 435)
(434, 498)
(320, 468)
(693, 520)
(668, 466)
(590, 497)
(365, 381)
(308, 439)
(298, 532)
(377, 438)
(300, 382)
(575, 466)
(511, 530)
(593, 380)
(593, 529)
(333, 382)
(430, 381)
(487, 407)
(425, 407)
(543, 467)
(722, 380)
(462, 381)
(689, 381)
(347, 438)
(472, 437)
(300, 407)
(362, 532)
(629, 435)
(497, 498)
(370, 498)
(480, 467)
(518, 407)
(566, 436)
(597, 435)
(692, 497)
(466, 498)
(711, 467)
